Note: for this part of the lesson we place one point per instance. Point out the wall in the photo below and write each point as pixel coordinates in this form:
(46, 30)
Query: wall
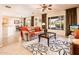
(0, 31)
(28, 20)
(39, 17)
(78, 16)
(39, 21)
(51, 14)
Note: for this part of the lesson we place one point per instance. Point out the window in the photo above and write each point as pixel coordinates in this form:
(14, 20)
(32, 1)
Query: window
(56, 22)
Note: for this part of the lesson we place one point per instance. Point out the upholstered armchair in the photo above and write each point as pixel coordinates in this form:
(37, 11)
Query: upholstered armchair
(36, 31)
(76, 34)
(23, 30)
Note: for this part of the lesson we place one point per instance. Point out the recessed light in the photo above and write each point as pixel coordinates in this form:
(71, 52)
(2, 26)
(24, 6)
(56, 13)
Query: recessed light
(8, 6)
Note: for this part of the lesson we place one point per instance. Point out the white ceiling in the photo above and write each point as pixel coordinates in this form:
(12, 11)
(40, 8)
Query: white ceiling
(26, 10)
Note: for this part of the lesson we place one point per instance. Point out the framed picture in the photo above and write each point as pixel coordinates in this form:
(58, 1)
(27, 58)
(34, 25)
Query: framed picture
(16, 21)
(56, 22)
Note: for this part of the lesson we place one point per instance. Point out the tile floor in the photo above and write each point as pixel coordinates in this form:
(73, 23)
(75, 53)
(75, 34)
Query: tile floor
(12, 45)
(14, 49)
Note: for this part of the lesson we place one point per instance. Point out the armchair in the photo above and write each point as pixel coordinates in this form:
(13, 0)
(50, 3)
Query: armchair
(76, 34)
(23, 29)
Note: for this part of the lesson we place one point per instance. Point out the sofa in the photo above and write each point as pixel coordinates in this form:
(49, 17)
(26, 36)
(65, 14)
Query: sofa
(35, 31)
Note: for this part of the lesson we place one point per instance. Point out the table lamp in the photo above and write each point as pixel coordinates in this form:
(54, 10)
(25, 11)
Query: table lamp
(43, 25)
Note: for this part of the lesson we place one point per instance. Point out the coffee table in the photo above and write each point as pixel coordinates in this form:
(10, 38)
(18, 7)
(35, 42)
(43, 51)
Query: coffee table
(47, 35)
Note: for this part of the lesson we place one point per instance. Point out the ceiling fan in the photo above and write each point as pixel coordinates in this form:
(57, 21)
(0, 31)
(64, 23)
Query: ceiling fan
(7, 6)
(46, 7)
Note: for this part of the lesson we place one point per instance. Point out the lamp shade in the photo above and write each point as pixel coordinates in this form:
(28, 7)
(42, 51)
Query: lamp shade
(43, 23)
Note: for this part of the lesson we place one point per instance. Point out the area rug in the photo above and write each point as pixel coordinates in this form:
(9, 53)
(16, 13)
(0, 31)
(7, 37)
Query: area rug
(57, 47)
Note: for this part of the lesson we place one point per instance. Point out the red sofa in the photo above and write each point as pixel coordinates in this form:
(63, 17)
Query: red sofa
(23, 28)
(33, 32)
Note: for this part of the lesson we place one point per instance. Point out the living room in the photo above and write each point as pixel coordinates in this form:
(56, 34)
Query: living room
(42, 29)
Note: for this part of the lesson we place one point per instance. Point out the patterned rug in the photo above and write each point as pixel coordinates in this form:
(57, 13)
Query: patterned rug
(57, 47)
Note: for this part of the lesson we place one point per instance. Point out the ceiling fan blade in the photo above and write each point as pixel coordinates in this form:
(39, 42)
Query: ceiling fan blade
(42, 5)
(49, 8)
(43, 9)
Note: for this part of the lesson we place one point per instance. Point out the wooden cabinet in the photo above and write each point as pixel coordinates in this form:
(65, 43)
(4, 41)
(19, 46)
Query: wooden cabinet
(75, 49)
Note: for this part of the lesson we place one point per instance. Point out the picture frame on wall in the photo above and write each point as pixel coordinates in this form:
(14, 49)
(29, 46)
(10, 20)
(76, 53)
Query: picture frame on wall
(16, 21)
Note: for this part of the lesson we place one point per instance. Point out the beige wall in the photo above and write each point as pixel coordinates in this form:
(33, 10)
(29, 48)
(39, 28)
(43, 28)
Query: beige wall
(0, 31)
(51, 14)
(38, 16)
(78, 16)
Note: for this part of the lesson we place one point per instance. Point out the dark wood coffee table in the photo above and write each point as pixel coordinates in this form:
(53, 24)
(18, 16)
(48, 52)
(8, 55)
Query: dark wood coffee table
(47, 35)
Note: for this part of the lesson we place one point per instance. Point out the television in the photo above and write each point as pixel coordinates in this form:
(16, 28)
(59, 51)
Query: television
(74, 27)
